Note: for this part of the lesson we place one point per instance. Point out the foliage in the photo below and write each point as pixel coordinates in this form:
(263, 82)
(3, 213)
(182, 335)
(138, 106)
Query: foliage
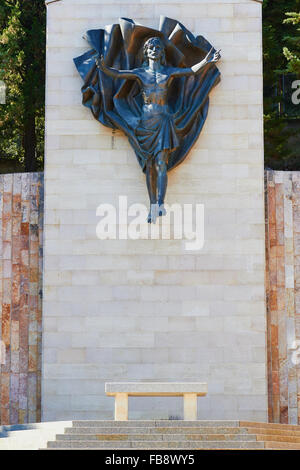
(279, 153)
(281, 148)
(292, 52)
(22, 68)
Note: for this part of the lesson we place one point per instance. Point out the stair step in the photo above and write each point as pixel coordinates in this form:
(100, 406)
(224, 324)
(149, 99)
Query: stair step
(156, 430)
(157, 438)
(283, 427)
(157, 423)
(273, 432)
(176, 434)
(159, 445)
(161, 448)
(281, 445)
(287, 439)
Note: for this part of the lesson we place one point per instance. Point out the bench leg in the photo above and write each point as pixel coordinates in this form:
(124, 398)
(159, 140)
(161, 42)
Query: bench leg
(190, 406)
(121, 407)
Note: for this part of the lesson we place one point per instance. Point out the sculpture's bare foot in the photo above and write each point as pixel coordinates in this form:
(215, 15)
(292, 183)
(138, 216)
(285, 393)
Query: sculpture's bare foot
(152, 216)
(162, 210)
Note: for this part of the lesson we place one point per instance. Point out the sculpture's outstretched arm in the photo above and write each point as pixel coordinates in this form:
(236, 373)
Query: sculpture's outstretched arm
(196, 68)
(114, 73)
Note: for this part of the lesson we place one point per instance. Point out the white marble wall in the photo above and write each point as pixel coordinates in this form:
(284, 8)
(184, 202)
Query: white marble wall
(148, 310)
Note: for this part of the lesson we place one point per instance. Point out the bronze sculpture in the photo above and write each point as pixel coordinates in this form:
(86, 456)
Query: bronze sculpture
(160, 100)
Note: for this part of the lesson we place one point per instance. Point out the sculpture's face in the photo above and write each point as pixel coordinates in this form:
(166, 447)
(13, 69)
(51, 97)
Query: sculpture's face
(154, 49)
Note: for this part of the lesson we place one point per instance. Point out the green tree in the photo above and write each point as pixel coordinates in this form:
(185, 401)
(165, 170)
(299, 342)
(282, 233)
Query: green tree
(280, 148)
(22, 68)
(292, 52)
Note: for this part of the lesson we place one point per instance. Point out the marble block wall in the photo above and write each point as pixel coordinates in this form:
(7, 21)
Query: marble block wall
(283, 294)
(20, 330)
(148, 310)
(21, 239)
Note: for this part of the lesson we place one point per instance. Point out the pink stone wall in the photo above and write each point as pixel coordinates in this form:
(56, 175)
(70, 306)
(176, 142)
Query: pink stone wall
(283, 294)
(21, 231)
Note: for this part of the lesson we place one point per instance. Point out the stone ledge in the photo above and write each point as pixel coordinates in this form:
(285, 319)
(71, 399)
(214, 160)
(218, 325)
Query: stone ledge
(47, 2)
(155, 388)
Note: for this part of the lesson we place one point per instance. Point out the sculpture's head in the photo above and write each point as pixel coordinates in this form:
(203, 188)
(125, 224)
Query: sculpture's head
(154, 49)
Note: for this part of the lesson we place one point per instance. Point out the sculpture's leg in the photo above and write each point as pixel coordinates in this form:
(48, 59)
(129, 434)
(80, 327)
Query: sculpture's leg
(151, 177)
(162, 179)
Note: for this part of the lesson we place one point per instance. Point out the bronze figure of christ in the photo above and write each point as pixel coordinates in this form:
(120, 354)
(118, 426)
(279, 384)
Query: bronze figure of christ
(156, 131)
(153, 87)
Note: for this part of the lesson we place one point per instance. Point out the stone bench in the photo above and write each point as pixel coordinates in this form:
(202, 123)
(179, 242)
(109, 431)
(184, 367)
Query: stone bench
(189, 392)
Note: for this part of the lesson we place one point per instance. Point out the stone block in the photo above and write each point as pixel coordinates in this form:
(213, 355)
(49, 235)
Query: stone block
(148, 310)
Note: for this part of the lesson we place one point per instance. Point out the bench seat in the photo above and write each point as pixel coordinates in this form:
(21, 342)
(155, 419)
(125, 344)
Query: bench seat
(188, 390)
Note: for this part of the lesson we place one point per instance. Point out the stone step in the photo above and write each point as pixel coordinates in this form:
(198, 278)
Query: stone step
(157, 438)
(161, 448)
(273, 432)
(283, 427)
(281, 446)
(156, 423)
(157, 445)
(266, 437)
(156, 430)
(176, 434)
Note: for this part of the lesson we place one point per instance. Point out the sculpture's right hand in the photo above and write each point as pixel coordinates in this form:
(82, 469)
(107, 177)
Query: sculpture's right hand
(213, 58)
